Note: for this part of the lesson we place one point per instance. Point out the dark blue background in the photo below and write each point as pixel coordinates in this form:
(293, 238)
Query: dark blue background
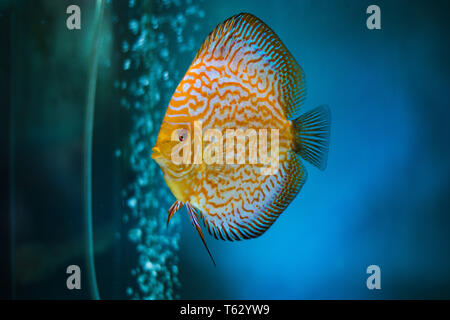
(384, 198)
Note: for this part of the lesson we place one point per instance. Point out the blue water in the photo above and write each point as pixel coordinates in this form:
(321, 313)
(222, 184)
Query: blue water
(383, 199)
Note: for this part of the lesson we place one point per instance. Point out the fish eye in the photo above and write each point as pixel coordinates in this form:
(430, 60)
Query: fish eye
(182, 135)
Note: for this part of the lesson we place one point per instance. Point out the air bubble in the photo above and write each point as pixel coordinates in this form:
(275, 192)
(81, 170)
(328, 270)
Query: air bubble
(134, 26)
(151, 48)
(132, 202)
(126, 64)
(135, 235)
(125, 46)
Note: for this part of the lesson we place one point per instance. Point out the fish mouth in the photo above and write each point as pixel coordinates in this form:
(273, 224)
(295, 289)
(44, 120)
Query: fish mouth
(156, 153)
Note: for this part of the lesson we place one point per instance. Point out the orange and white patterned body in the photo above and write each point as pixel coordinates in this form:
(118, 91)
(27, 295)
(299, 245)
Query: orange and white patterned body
(242, 78)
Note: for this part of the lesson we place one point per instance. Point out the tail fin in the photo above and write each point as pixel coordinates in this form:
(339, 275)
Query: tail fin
(312, 131)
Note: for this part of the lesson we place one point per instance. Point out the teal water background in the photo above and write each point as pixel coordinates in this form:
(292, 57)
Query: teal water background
(383, 199)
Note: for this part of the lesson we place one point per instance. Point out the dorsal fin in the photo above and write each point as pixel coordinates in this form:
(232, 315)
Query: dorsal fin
(250, 31)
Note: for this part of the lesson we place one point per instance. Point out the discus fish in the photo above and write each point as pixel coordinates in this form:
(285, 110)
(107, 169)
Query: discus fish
(242, 77)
